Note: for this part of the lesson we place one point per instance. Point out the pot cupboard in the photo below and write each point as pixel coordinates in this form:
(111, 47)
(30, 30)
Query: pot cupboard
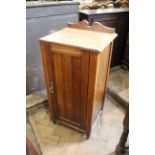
(76, 63)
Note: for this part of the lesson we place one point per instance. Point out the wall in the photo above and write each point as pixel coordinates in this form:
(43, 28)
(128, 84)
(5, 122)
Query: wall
(41, 21)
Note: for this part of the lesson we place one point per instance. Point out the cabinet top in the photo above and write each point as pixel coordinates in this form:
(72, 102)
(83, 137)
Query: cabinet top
(85, 39)
(104, 11)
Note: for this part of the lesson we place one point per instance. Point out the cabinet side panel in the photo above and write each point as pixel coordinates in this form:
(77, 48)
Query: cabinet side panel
(91, 91)
(84, 86)
(101, 77)
(46, 66)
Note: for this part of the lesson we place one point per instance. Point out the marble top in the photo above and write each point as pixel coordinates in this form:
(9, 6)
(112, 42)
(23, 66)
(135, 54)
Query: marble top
(85, 39)
(104, 11)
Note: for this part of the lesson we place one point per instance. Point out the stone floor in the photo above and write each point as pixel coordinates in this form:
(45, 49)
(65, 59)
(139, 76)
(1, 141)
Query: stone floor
(118, 85)
(31, 135)
(55, 139)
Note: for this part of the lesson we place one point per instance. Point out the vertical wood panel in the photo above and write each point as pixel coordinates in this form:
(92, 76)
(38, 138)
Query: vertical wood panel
(45, 61)
(84, 86)
(107, 70)
(91, 91)
(76, 82)
(59, 83)
(100, 86)
(67, 75)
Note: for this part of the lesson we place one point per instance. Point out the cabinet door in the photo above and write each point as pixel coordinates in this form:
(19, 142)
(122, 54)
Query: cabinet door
(69, 76)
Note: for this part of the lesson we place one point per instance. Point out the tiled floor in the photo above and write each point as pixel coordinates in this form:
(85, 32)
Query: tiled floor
(55, 139)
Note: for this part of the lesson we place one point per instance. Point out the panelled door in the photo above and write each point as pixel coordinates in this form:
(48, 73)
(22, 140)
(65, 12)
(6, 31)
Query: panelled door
(69, 71)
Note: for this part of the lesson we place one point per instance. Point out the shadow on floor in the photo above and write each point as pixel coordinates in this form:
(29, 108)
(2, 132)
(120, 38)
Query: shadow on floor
(112, 153)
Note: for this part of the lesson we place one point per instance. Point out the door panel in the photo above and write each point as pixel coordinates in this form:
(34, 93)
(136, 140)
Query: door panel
(59, 83)
(67, 83)
(69, 74)
(77, 88)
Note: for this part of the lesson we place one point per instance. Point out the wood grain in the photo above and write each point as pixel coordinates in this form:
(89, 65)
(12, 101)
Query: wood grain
(91, 92)
(101, 77)
(70, 87)
(66, 50)
(43, 47)
(67, 79)
(59, 83)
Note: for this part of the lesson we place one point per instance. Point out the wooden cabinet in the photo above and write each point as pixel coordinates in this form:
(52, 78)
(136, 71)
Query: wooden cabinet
(117, 18)
(76, 68)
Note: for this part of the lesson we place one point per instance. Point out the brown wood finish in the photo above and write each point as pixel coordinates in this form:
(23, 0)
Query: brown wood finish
(69, 75)
(96, 26)
(91, 92)
(99, 66)
(44, 52)
(108, 69)
(76, 77)
(102, 71)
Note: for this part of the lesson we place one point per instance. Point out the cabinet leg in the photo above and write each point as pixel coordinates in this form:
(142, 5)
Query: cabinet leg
(54, 121)
(88, 134)
(52, 118)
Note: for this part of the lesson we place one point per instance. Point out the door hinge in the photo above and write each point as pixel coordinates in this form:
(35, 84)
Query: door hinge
(51, 88)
